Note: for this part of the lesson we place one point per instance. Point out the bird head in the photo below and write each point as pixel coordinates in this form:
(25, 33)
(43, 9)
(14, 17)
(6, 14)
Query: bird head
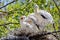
(36, 7)
(22, 18)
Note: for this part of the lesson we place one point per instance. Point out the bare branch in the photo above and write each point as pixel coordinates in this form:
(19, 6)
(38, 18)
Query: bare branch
(7, 4)
(56, 6)
(43, 34)
(7, 24)
(3, 11)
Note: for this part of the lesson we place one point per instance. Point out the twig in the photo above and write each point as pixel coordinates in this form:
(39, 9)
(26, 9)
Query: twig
(43, 34)
(56, 32)
(7, 4)
(3, 11)
(56, 6)
(7, 24)
(58, 11)
(54, 27)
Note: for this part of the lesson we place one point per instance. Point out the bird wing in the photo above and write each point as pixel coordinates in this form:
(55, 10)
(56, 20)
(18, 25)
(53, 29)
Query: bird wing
(46, 14)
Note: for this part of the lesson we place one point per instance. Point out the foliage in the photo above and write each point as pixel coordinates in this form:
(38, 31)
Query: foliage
(19, 8)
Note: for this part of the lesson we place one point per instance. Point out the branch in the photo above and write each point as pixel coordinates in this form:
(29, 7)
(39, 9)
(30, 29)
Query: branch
(7, 24)
(7, 4)
(43, 34)
(56, 6)
(3, 11)
(50, 32)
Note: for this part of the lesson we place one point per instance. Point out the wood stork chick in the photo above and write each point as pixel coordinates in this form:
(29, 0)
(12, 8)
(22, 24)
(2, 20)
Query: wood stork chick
(27, 27)
(40, 17)
(43, 17)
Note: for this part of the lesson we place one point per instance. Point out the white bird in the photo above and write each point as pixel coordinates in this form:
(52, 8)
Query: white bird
(23, 23)
(40, 17)
(44, 14)
(27, 27)
(43, 17)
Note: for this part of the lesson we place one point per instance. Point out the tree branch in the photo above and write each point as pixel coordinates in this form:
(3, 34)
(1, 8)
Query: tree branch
(56, 6)
(7, 24)
(46, 33)
(7, 4)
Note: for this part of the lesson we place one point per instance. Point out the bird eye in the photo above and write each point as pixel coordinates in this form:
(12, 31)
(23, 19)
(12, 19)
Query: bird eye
(21, 18)
(43, 16)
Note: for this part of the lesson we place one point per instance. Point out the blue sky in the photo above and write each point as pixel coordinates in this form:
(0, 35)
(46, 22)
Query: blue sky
(7, 1)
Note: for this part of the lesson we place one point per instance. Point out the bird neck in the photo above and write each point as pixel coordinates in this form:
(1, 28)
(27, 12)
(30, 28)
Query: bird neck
(36, 10)
(21, 22)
